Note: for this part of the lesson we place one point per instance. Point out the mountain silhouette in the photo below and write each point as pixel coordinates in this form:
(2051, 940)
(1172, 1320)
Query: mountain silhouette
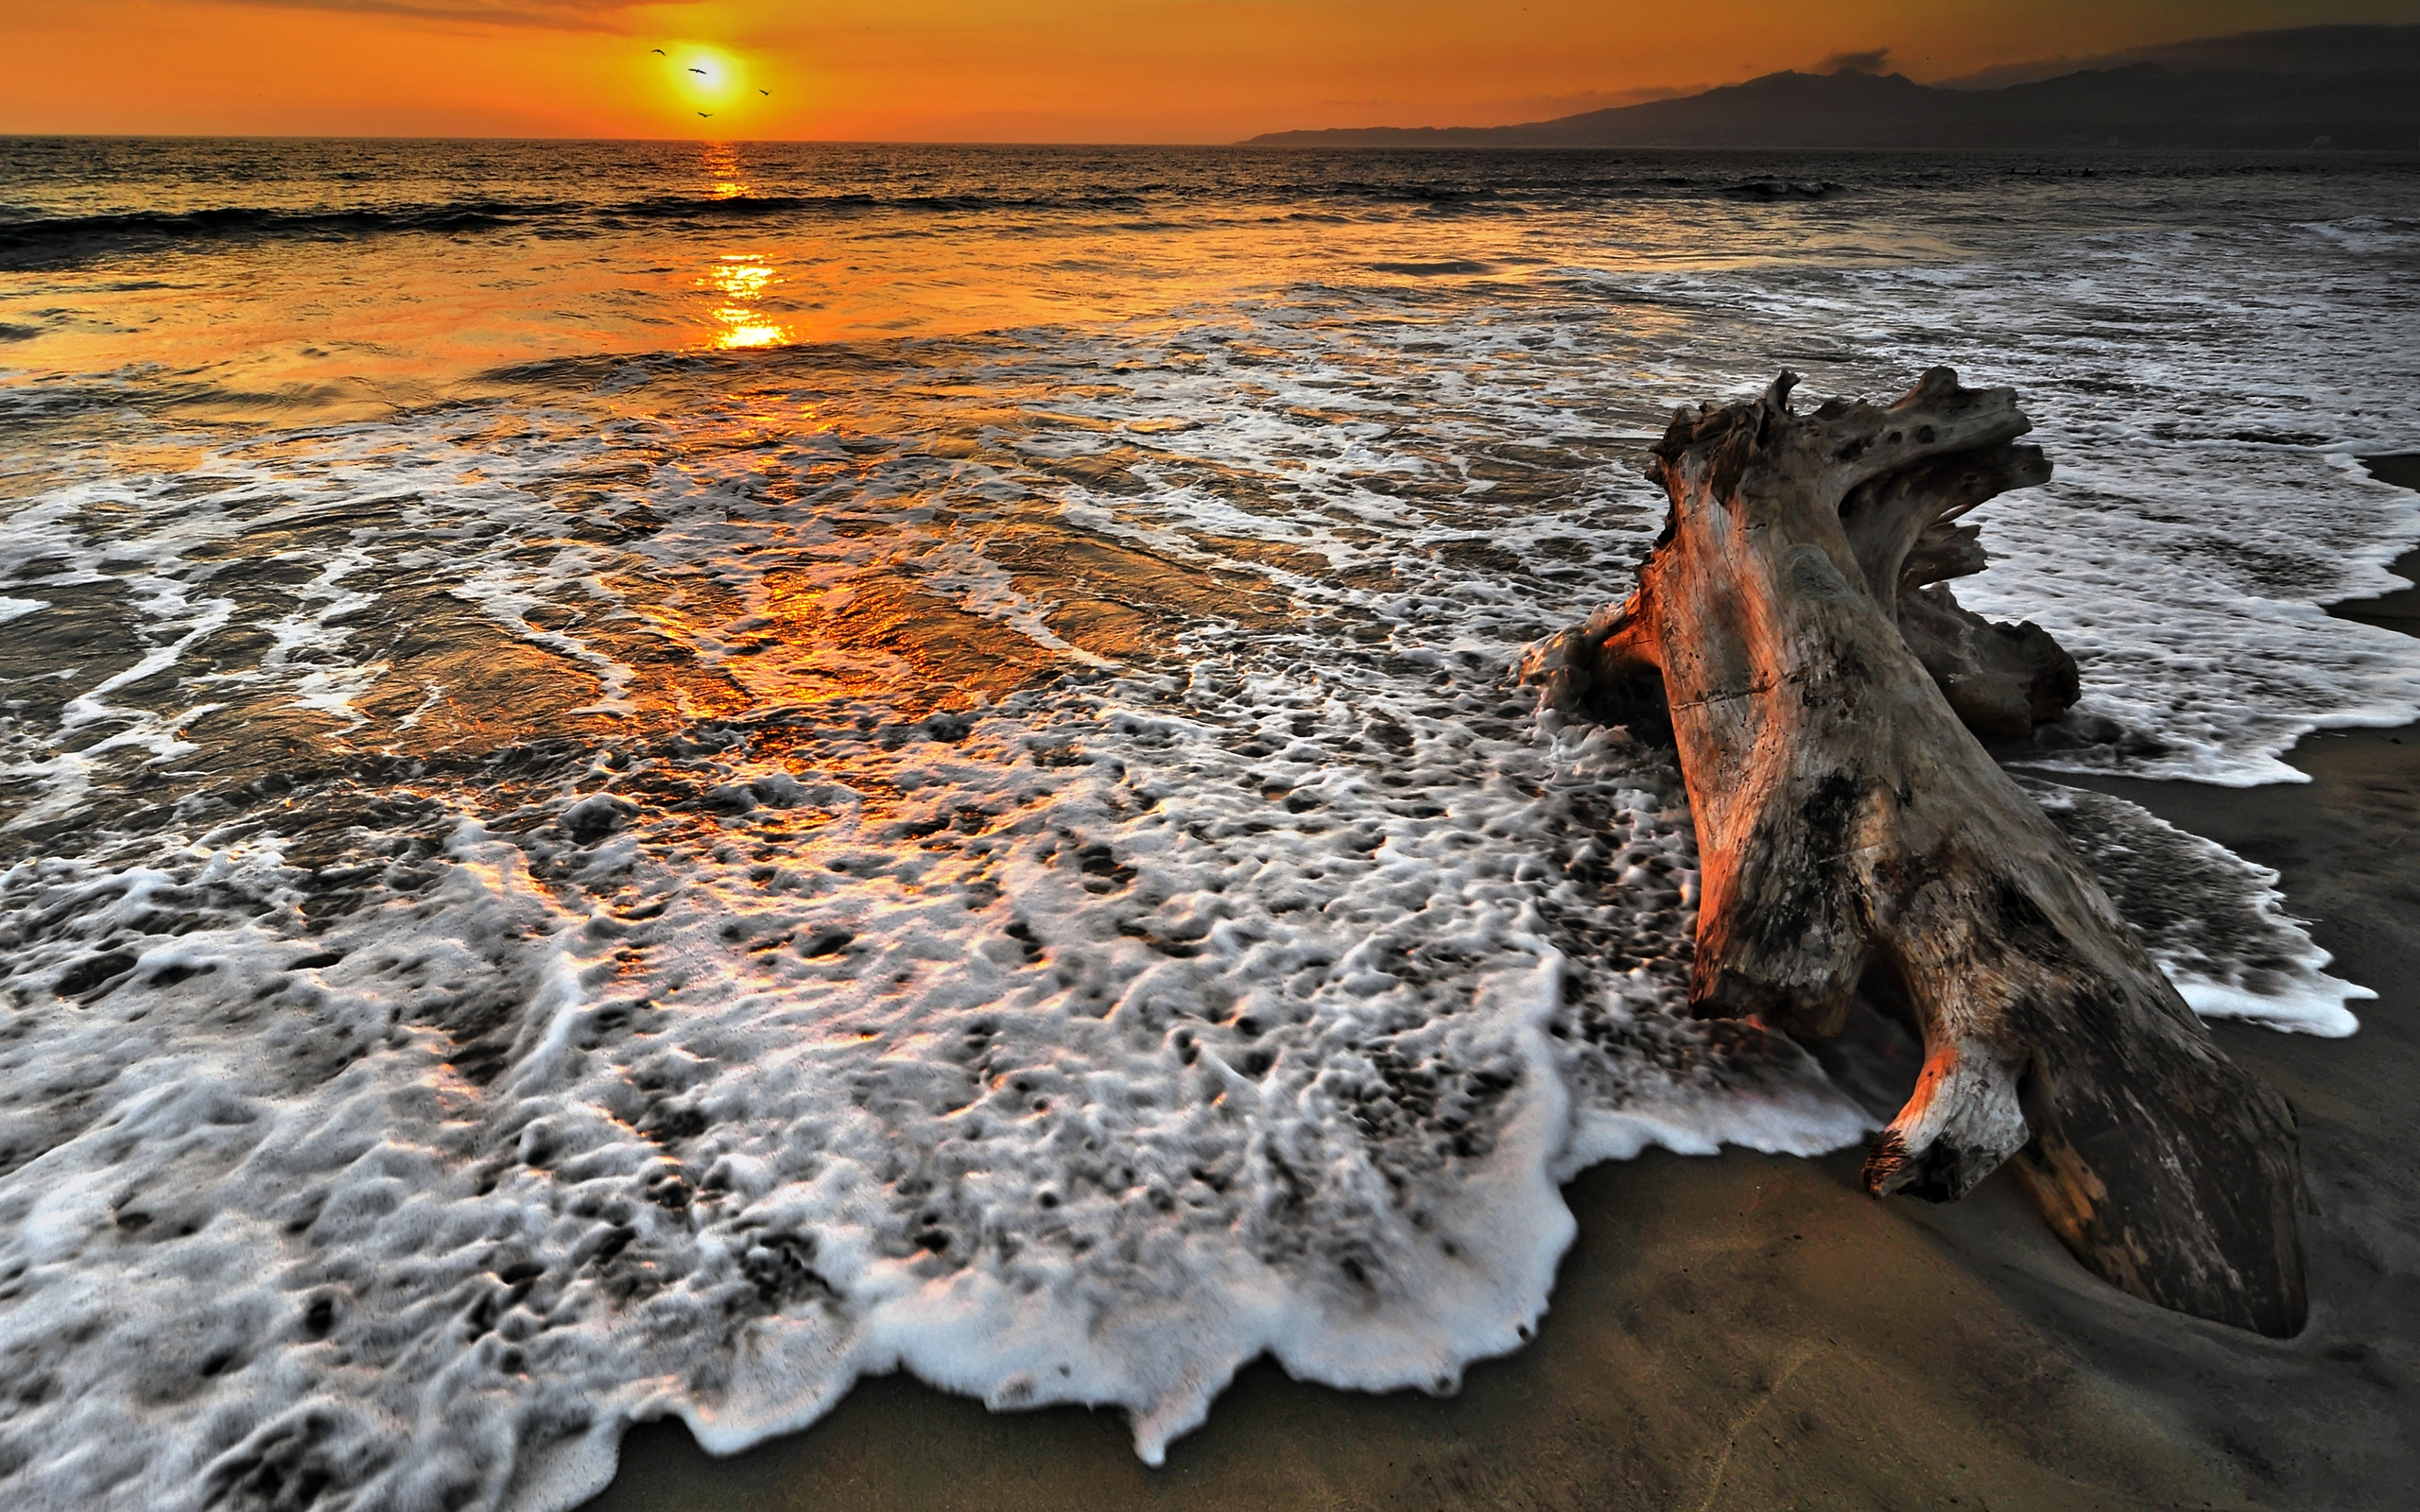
(2142, 104)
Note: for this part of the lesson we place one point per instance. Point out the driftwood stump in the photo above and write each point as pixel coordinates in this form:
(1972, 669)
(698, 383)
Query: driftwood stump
(1825, 691)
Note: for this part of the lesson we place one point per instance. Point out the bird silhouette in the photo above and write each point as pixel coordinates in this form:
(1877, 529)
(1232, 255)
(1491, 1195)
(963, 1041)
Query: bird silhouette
(658, 51)
(765, 92)
(705, 115)
(697, 70)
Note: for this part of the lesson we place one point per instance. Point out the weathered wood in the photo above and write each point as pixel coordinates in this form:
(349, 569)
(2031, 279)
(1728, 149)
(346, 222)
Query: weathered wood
(1820, 687)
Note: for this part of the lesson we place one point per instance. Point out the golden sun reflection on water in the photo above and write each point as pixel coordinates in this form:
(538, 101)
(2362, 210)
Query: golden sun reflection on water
(741, 279)
(724, 177)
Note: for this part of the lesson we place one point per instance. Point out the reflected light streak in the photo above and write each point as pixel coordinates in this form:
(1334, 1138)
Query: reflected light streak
(742, 336)
(723, 177)
(742, 279)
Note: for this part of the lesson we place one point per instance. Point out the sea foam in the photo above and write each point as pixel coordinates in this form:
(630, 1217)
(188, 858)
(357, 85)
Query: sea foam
(678, 882)
(1049, 1073)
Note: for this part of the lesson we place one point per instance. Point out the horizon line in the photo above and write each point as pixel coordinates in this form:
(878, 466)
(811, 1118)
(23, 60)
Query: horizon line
(1247, 142)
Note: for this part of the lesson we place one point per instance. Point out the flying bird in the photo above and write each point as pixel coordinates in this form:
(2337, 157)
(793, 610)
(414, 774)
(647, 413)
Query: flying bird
(705, 115)
(765, 93)
(697, 70)
(658, 51)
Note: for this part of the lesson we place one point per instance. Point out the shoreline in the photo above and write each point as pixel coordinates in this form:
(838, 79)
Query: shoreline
(1750, 1332)
(1747, 1331)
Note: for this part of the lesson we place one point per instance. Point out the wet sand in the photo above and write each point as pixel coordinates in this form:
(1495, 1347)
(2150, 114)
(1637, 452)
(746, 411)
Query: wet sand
(1753, 1332)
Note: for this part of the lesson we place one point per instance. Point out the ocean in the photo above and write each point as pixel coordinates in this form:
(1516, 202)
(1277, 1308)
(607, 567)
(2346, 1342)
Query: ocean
(641, 780)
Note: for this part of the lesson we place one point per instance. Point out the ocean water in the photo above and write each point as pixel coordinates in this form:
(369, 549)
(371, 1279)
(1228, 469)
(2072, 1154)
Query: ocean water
(643, 780)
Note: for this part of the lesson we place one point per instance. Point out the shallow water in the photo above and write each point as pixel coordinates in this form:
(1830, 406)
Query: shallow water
(638, 779)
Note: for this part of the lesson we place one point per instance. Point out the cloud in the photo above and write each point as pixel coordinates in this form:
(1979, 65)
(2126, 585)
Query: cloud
(544, 15)
(1872, 62)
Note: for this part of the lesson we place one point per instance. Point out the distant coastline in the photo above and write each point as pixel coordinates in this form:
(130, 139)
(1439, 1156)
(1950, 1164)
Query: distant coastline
(2327, 87)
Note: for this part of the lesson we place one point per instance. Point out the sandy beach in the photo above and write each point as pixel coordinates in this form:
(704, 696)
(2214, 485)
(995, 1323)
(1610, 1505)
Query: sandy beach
(1753, 1332)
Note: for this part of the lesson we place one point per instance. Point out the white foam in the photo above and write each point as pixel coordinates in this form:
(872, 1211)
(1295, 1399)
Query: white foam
(1289, 1086)
(2215, 922)
(638, 1070)
(2318, 1010)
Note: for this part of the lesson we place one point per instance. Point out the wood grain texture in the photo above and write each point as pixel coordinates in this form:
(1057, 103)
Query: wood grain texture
(1825, 691)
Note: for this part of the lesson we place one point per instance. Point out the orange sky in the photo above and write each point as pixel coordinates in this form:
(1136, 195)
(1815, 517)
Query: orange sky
(988, 69)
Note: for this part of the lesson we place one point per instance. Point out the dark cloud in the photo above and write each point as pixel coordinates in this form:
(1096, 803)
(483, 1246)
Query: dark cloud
(1873, 61)
(546, 15)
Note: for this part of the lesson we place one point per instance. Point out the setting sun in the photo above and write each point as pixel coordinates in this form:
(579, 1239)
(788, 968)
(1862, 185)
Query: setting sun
(702, 82)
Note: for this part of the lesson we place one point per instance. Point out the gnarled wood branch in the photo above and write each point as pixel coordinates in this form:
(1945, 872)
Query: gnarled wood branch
(1824, 690)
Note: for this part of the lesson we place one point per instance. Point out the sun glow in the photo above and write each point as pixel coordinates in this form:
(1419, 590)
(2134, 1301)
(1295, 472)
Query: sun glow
(705, 83)
(958, 71)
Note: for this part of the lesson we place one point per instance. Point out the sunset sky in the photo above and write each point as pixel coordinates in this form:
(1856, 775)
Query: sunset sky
(989, 70)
